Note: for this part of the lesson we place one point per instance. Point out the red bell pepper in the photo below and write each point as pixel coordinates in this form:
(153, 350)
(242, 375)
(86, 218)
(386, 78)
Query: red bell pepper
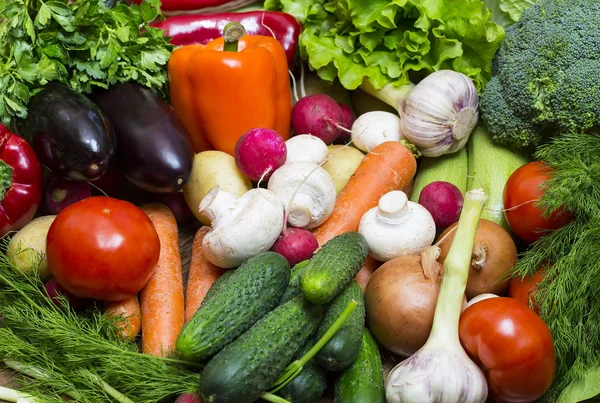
(188, 29)
(204, 6)
(20, 181)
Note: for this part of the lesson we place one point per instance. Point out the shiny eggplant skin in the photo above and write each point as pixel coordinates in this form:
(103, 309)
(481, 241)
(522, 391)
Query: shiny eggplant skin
(154, 151)
(69, 133)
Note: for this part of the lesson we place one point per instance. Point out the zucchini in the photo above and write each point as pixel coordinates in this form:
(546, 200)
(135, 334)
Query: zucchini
(341, 350)
(244, 369)
(310, 384)
(333, 267)
(362, 381)
(235, 305)
(490, 166)
(293, 287)
(453, 168)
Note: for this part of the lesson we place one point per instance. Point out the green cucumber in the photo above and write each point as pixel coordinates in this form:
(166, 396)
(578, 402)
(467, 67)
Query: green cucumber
(216, 287)
(453, 168)
(490, 166)
(362, 381)
(293, 288)
(341, 350)
(308, 386)
(246, 368)
(235, 305)
(333, 267)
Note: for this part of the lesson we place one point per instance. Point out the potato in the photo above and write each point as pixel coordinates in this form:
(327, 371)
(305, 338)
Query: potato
(28, 247)
(212, 168)
(342, 166)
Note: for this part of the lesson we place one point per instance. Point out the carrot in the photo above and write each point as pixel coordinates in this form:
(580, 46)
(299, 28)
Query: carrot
(162, 298)
(364, 275)
(201, 276)
(129, 309)
(389, 166)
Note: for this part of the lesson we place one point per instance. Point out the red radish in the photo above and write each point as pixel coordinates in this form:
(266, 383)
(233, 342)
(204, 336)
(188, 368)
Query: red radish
(444, 201)
(259, 152)
(296, 245)
(347, 121)
(318, 115)
(53, 289)
(61, 193)
(176, 203)
(189, 398)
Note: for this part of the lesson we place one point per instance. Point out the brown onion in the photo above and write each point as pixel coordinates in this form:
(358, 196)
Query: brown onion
(400, 301)
(494, 254)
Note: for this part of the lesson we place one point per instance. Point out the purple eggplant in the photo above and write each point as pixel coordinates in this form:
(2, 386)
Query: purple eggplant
(69, 133)
(154, 150)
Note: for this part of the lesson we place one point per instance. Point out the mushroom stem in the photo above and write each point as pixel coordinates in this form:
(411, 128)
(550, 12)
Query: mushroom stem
(217, 203)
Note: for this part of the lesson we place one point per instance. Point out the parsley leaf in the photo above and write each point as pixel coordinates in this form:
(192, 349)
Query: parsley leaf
(83, 44)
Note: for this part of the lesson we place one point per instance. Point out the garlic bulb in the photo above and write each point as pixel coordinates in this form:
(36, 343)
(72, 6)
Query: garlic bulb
(437, 374)
(441, 371)
(440, 113)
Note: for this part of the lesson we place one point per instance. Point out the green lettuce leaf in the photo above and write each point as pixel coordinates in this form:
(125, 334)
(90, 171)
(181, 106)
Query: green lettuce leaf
(507, 12)
(395, 41)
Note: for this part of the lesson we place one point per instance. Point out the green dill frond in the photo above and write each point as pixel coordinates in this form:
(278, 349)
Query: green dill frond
(77, 352)
(568, 297)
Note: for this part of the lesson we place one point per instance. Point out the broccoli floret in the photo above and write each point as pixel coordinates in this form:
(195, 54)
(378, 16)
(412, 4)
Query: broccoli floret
(545, 73)
(507, 127)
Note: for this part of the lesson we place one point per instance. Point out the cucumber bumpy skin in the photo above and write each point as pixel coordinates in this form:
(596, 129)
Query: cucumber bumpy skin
(244, 369)
(363, 380)
(310, 384)
(234, 305)
(333, 267)
(293, 288)
(342, 349)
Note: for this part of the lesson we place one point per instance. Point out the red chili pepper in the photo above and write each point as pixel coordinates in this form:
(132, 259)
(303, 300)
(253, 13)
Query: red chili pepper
(20, 181)
(187, 29)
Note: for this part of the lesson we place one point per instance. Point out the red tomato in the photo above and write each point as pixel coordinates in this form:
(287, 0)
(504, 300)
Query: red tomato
(522, 289)
(513, 347)
(102, 248)
(526, 220)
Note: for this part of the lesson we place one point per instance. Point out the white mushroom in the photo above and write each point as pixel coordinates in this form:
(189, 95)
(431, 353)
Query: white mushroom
(307, 190)
(241, 227)
(307, 148)
(373, 128)
(397, 227)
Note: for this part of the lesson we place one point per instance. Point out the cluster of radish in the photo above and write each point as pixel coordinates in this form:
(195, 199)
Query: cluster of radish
(293, 172)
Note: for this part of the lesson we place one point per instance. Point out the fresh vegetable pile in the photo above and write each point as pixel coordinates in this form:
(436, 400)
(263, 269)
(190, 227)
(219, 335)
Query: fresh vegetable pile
(382, 201)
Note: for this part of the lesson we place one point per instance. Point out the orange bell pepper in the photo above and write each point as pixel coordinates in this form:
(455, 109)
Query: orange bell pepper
(230, 85)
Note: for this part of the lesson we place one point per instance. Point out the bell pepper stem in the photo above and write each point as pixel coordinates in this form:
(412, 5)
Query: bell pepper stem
(232, 34)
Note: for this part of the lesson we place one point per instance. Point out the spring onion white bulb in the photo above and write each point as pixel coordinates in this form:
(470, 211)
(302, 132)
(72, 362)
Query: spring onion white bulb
(441, 371)
(440, 113)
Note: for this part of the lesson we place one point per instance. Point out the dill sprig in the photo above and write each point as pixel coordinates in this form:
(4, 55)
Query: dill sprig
(77, 354)
(568, 297)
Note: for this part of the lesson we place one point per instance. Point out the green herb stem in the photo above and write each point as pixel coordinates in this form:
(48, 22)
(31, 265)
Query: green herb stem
(273, 398)
(296, 367)
(11, 395)
(118, 396)
(36, 373)
(456, 269)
